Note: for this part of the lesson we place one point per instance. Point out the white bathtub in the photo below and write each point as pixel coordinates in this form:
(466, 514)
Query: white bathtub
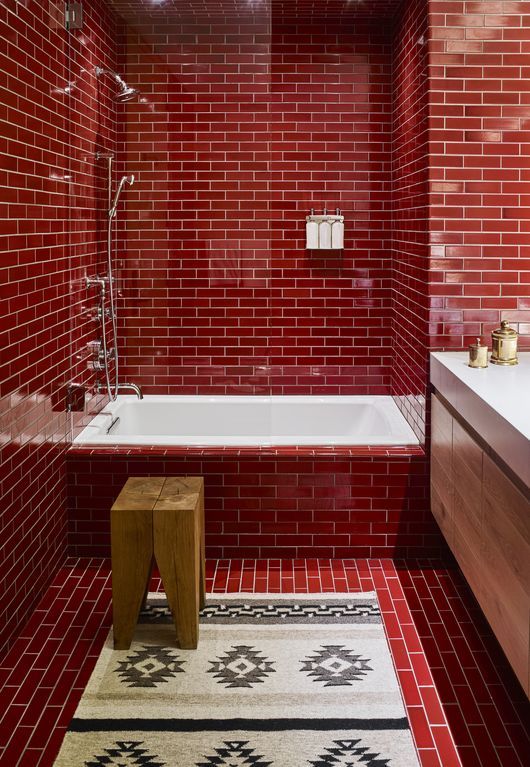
(249, 421)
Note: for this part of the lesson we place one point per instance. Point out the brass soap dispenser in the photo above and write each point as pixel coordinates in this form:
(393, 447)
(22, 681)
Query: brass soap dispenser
(478, 355)
(504, 342)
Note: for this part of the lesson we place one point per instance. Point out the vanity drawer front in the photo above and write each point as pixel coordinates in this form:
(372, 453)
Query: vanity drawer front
(467, 509)
(506, 541)
(441, 469)
(442, 509)
(442, 433)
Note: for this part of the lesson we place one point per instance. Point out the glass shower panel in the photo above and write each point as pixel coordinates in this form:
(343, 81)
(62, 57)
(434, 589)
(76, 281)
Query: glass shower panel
(194, 240)
(90, 139)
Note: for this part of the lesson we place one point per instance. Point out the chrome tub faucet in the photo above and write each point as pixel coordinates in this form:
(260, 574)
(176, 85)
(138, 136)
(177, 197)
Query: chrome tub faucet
(136, 389)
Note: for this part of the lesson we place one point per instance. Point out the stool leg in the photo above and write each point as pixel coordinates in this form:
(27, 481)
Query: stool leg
(177, 550)
(146, 590)
(202, 588)
(132, 555)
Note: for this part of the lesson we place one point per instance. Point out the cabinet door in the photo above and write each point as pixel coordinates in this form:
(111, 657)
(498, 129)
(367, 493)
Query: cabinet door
(486, 521)
(467, 508)
(506, 541)
(441, 468)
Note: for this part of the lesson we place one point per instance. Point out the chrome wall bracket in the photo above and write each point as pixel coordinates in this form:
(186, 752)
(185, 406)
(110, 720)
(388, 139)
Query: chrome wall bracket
(73, 16)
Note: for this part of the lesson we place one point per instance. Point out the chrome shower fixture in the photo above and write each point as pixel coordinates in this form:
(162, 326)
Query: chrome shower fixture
(105, 354)
(124, 180)
(125, 92)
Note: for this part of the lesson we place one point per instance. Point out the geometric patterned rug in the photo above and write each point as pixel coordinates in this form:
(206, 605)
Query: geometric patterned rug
(290, 680)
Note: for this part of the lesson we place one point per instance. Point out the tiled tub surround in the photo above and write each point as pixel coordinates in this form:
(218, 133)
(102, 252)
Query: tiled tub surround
(250, 122)
(270, 118)
(271, 502)
(279, 480)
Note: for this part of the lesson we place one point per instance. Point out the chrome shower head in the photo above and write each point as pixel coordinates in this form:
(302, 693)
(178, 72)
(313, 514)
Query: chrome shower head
(125, 92)
(128, 94)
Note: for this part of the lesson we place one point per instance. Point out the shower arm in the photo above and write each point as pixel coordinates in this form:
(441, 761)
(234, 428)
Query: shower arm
(125, 92)
(111, 73)
(97, 282)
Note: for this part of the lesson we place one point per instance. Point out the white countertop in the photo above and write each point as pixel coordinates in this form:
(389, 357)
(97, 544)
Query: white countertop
(495, 401)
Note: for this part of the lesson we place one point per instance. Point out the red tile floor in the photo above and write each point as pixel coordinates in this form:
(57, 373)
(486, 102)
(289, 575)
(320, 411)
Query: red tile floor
(464, 704)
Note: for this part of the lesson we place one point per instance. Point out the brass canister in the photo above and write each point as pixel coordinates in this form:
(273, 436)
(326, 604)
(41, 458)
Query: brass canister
(478, 355)
(504, 343)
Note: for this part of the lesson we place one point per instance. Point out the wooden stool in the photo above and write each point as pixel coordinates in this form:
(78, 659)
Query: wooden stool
(160, 517)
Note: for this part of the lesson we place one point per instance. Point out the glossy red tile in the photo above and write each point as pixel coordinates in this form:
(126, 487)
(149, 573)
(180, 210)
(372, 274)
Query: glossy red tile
(249, 513)
(280, 122)
(413, 123)
(50, 238)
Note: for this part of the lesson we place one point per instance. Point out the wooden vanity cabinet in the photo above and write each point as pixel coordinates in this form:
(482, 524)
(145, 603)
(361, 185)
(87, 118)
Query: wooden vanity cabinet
(485, 519)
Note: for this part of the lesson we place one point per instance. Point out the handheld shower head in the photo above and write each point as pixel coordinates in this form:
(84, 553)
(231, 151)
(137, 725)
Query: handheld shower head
(124, 180)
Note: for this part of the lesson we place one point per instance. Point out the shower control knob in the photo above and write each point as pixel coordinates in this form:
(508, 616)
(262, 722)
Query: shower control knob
(97, 315)
(95, 366)
(98, 356)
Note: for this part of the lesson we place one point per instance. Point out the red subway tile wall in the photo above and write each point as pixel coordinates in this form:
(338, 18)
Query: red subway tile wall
(246, 120)
(479, 170)
(278, 9)
(247, 124)
(410, 254)
(196, 266)
(50, 124)
(261, 505)
(330, 148)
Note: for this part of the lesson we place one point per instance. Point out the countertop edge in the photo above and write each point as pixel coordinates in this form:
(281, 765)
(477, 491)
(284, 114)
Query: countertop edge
(504, 438)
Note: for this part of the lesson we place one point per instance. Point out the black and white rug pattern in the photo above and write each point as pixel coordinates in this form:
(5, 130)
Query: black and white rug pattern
(299, 680)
